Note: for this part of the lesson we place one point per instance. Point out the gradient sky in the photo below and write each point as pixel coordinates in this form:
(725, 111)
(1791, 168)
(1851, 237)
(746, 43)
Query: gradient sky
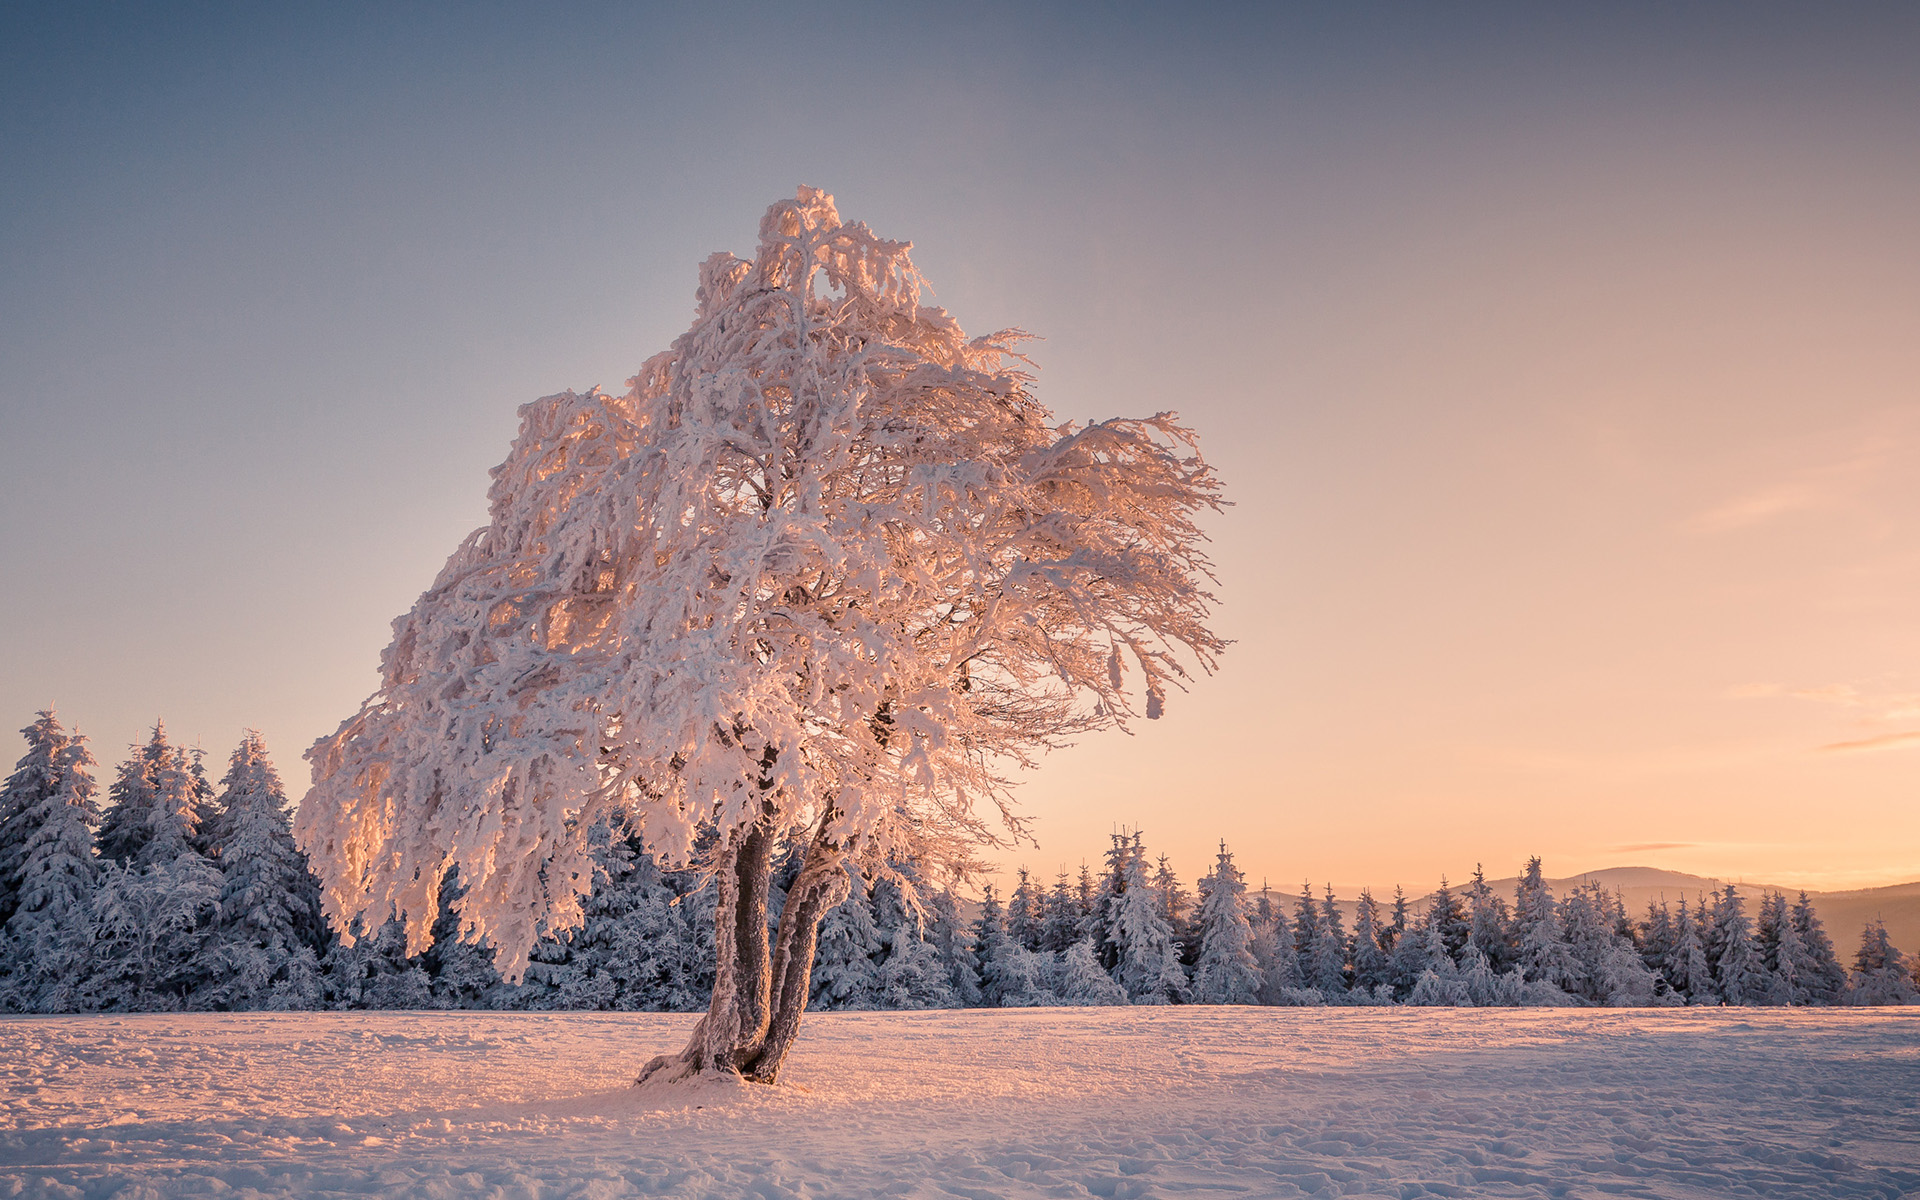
(1564, 371)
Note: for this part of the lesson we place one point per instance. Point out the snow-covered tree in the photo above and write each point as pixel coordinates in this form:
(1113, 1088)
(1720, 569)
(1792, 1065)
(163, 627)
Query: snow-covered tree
(1062, 917)
(1023, 912)
(1824, 980)
(374, 970)
(1739, 972)
(1450, 914)
(1273, 951)
(1490, 925)
(1330, 950)
(1306, 931)
(155, 806)
(1656, 939)
(1541, 939)
(1781, 954)
(1687, 967)
(1371, 967)
(1174, 904)
(1080, 980)
(47, 952)
(1146, 959)
(909, 971)
(264, 951)
(819, 573)
(1438, 985)
(35, 779)
(844, 974)
(1880, 972)
(1610, 971)
(1226, 972)
(949, 939)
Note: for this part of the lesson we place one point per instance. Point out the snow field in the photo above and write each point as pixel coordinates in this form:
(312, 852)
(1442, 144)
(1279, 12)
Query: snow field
(1196, 1101)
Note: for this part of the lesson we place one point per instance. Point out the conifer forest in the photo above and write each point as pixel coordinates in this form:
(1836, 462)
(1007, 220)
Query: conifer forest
(177, 890)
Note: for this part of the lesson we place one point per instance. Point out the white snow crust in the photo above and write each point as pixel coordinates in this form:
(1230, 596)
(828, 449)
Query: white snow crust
(1201, 1101)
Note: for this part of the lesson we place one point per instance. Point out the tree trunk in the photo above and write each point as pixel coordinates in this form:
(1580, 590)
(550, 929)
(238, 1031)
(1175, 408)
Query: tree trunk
(758, 997)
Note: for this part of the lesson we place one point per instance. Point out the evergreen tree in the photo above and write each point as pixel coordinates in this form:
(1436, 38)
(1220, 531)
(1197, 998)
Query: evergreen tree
(1741, 975)
(1687, 967)
(1542, 943)
(1273, 953)
(1060, 926)
(1330, 950)
(844, 973)
(1174, 905)
(460, 971)
(1781, 953)
(1880, 972)
(950, 942)
(209, 836)
(1402, 918)
(1226, 972)
(1451, 915)
(47, 950)
(1610, 970)
(1081, 981)
(1306, 932)
(1371, 967)
(374, 971)
(1824, 980)
(1023, 915)
(1657, 939)
(35, 779)
(910, 972)
(149, 931)
(1489, 924)
(155, 812)
(1438, 983)
(1147, 959)
(265, 950)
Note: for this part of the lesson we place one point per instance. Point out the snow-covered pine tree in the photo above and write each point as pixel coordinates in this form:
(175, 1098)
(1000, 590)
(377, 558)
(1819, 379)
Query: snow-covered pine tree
(1824, 979)
(823, 569)
(1739, 972)
(1226, 972)
(35, 779)
(910, 972)
(460, 970)
(1330, 951)
(1080, 980)
(209, 836)
(1398, 923)
(844, 974)
(154, 813)
(950, 941)
(46, 954)
(374, 970)
(1780, 951)
(1880, 972)
(1371, 967)
(1456, 928)
(1174, 906)
(1610, 970)
(1490, 925)
(1273, 952)
(1147, 959)
(1687, 967)
(1541, 939)
(1023, 915)
(1306, 931)
(1438, 985)
(264, 951)
(1656, 939)
(1060, 923)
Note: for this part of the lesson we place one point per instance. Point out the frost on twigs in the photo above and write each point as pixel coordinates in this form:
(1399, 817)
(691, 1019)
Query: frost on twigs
(824, 574)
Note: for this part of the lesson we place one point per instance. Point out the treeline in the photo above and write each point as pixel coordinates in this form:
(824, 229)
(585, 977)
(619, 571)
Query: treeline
(186, 893)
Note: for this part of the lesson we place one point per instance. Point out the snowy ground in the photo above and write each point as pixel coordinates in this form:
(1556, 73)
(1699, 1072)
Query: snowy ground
(1110, 1102)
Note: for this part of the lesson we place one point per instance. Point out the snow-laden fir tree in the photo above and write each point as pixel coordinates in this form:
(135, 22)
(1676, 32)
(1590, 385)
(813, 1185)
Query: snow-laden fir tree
(155, 806)
(1438, 984)
(1490, 925)
(1174, 906)
(1656, 942)
(1739, 971)
(818, 574)
(1330, 950)
(1273, 951)
(48, 945)
(1880, 972)
(948, 936)
(1226, 972)
(1687, 967)
(35, 778)
(1306, 931)
(460, 970)
(1781, 954)
(1023, 912)
(1450, 912)
(1146, 959)
(1060, 922)
(1540, 938)
(1823, 979)
(372, 970)
(1609, 968)
(1372, 969)
(265, 950)
(1080, 979)
(909, 970)
(844, 975)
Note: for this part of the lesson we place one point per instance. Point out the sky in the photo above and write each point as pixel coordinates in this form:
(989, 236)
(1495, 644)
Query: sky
(1561, 367)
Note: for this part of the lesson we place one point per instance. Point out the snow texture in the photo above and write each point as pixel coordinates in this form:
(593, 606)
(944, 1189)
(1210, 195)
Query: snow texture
(1215, 1101)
